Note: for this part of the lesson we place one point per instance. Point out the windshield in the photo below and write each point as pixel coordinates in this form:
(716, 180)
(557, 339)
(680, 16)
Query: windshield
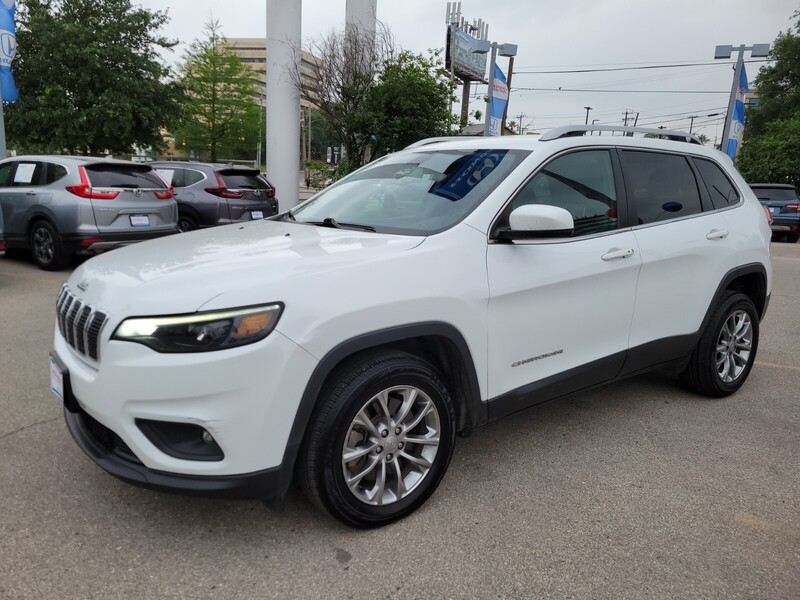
(416, 193)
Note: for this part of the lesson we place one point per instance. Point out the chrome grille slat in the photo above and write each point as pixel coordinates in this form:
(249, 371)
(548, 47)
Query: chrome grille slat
(80, 323)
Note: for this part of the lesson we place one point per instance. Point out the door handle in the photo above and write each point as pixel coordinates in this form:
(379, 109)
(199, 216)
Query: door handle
(30, 193)
(617, 253)
(717, 234)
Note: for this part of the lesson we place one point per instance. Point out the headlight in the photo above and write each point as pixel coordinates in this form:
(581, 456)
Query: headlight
(201, 332)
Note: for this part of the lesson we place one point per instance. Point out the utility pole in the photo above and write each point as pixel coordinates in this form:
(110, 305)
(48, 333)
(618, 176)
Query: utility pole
(625, 122)
(588, 108)
(691, 122)
(508, 83)
(519, 118)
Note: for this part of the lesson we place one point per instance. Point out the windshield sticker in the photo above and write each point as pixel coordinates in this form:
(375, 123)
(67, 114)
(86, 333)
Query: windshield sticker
(467, 173)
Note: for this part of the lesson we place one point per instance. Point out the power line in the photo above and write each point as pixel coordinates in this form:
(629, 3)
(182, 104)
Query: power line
(584, 91)
(639, 68)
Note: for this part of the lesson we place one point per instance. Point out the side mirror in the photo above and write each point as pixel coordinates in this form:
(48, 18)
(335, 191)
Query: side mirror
(535, 221)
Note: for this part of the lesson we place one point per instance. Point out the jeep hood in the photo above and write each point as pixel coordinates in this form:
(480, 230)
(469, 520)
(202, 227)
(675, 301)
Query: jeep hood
(182, 272)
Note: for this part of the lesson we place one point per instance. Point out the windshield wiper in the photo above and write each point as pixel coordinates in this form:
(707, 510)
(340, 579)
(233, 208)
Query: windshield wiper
(334, 224)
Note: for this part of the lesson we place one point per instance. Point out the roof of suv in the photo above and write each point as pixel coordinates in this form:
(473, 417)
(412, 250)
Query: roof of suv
(189, 164)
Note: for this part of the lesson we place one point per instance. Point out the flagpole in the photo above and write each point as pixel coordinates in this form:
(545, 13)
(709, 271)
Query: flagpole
(2, 129)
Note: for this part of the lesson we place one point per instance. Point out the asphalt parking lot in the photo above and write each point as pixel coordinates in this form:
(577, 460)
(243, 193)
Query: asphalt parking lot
(636, 490)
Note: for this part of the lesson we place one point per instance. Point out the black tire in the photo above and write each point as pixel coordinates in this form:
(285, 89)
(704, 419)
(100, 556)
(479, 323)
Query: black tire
(792, 237)
(701, 374)
(321, 468)
(47, 248)
(186, 223)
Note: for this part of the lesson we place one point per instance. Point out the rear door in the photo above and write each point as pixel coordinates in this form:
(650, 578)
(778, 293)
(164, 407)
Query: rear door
(249, 195)
(129, 198)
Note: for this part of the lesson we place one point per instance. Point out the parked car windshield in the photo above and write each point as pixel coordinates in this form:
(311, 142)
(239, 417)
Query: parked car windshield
(414, 193)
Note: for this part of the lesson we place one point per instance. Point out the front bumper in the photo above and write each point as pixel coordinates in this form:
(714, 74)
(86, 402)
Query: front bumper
(247, 408)
(112, 455)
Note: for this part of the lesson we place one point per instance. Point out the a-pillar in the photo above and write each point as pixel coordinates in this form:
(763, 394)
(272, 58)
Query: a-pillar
(283, 99)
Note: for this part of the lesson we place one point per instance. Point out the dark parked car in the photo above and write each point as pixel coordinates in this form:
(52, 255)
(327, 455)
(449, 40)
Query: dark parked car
(211, 194)
(59, 205)
(783, 202)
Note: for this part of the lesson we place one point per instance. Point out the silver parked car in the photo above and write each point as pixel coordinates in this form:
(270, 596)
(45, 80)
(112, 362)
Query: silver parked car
(58, 205)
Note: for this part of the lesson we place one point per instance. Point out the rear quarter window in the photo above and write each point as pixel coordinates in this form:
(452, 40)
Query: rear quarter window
(123, 176)
(720, 189)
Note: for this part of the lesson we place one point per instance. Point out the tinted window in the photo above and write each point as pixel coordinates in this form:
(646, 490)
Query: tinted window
(173, 177)
(662, 186)
(238, 180)
(720, 188)
(123, 176)
(765, 193)
(28, 174)
(583, 184)
(5, 173)
(54, 173)
(190, 177)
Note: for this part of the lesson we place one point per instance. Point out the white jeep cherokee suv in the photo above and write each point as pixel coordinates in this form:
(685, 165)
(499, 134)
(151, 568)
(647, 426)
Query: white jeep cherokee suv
(349, 340)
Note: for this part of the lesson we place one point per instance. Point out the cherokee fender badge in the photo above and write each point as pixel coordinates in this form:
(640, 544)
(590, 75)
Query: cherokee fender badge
(525, 361)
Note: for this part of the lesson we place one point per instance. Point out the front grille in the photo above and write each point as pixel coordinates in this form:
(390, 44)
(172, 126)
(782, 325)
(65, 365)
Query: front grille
(79, 323)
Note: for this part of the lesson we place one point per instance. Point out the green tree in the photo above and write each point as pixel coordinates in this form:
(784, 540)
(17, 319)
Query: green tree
(408, 102)
(771, 145)
(89, 77)
(221, 113)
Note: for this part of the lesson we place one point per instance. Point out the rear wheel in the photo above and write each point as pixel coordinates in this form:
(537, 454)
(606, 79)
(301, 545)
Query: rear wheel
(727, 348)
(381, 440)
(47, 248)
(792, 237)
(186, 223)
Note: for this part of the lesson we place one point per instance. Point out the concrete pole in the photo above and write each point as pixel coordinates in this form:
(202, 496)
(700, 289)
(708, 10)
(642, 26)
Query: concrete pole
(363, 15)
(283, 99)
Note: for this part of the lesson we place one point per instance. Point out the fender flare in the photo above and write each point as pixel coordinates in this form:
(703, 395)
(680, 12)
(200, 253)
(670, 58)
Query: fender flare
(474, 407)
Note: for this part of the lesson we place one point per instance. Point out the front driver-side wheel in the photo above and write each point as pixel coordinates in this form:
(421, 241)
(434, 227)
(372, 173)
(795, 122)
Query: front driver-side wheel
(727, 348)
(46, 247)
(380, 441)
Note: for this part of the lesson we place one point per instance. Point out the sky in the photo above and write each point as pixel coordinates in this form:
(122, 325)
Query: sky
(558, 35)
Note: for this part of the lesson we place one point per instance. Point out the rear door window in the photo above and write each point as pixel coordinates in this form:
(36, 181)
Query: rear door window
(661, 186)
(173, 177)
(247, 180)
(28, 174)
(722, 192)
(123, 176)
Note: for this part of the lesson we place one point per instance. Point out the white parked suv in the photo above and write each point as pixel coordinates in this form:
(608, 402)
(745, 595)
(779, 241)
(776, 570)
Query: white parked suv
(348, 341)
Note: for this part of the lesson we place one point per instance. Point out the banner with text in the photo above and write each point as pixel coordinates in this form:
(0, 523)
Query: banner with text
(499, 101)
(737, 124)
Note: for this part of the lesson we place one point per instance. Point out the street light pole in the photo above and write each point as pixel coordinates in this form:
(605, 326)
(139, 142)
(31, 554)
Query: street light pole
(588, 108)
(487, 124)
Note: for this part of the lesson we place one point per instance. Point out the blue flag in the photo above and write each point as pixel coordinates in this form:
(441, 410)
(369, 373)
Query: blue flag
(8, 49)
(737, 123)
(498, 102)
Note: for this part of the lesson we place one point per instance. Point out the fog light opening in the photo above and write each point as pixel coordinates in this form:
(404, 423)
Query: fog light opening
(207, 438)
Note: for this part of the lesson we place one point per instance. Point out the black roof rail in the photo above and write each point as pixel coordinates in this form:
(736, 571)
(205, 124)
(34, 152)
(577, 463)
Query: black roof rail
(579, 130)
